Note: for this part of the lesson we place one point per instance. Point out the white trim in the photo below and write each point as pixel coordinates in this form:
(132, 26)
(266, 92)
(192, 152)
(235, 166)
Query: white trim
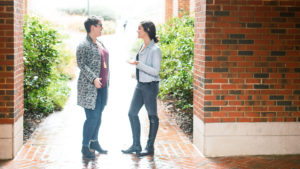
(6, 131)
(11, 139)
(231, 139)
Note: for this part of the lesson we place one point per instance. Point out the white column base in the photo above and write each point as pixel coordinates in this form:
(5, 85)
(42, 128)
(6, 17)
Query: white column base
(11, 139)
(233, 139)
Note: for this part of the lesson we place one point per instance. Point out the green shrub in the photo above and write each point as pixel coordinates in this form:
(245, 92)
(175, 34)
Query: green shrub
(109, 27)
(39, 53)
(106, 13)
(38, 102)
(65, 62)
(42, 80)
(177, 45)
(79, 16)
(58, 90)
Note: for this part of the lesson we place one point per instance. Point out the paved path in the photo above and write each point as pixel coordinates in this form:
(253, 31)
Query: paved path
(56, 144)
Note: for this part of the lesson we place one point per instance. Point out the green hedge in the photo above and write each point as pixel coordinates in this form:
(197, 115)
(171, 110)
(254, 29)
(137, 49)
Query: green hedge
(177, 45)
(106, 13)
(43, 83)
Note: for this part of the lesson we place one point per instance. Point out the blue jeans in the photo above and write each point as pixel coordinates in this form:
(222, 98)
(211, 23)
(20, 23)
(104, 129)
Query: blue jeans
(145, 93)
(93, 118)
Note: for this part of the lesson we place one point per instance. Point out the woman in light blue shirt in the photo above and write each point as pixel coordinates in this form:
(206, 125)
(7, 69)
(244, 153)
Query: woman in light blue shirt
(148, 60)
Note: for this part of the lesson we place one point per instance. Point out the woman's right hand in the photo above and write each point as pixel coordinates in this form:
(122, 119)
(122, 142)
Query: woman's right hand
(97, 83)
(133, 62)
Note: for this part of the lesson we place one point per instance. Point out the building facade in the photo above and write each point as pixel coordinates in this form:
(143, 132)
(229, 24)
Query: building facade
(246, 76)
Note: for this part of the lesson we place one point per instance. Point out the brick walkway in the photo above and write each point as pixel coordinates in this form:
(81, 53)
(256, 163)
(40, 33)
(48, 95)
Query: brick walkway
(56, 144)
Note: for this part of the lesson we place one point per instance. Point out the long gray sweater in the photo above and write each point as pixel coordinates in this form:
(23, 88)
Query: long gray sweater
(89, 62)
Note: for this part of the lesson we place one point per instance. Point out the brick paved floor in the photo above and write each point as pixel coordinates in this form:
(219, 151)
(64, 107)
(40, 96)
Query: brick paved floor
(56, 144)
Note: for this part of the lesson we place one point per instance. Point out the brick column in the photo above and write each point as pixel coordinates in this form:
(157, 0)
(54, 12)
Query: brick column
(175, 8)
(183, 8)
(25, 6)
(192, 8)
(168, 10)
(247, 77)
(11, 78)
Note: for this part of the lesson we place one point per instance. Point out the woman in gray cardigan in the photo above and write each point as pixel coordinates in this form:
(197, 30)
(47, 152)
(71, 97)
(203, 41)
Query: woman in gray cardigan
(92, 60)
(147, 64)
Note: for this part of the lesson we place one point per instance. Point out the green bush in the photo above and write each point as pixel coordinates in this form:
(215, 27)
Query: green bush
(58, 90)
(39, 53)
(177, 45)
(106, 13)
(41, 58)
(38, 102)
(65, 62)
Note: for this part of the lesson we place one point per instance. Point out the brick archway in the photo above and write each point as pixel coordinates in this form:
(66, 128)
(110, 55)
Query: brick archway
(246, 77)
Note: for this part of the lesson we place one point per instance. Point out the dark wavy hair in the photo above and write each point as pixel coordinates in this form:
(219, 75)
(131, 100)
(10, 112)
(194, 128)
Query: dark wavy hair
(93, 20)
(149, 27)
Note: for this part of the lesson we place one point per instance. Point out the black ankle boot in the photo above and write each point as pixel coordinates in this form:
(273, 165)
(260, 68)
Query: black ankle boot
(87, 153)
(147, 151)
(96, 146)
(133, 149)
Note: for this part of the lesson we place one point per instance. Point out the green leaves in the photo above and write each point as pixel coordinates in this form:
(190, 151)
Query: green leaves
(177, 45)
(39, 53)
(96, 10)
(40, 63)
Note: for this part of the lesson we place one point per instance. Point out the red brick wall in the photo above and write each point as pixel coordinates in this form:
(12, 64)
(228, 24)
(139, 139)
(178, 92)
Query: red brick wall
(199, 58)
(11, 61)
(168, 10)
(25, 6)
(183, 7)
(247, 61)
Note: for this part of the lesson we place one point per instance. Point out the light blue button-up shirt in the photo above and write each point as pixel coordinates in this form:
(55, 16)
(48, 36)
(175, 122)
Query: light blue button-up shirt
(149, 63)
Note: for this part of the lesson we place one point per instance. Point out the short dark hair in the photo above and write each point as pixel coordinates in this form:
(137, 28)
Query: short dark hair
(93, 20)
(149, 27)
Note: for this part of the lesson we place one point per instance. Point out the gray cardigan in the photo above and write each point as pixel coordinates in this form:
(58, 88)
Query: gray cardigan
(89, 62)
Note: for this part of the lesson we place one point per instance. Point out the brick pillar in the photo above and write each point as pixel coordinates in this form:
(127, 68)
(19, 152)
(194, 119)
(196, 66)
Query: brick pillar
(175, 8)
(247, 77)
(168, 10)
(11, 78)
(183, 7)
(25, 6)
(192, 8)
